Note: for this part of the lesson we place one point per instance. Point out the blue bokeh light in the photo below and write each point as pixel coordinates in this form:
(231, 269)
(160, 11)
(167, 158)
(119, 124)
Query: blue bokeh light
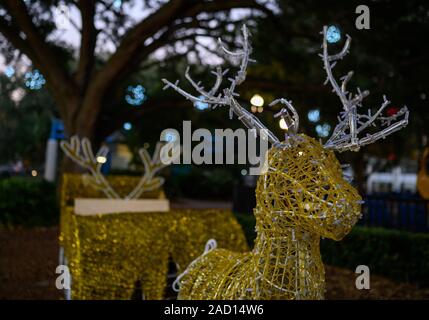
(170, 136)
(117, 4)
(136, 95)
(34, 80)
(128, 126)
(333, 34)
(323, 130)
(313, 115)
(9, 71)
(201, 105)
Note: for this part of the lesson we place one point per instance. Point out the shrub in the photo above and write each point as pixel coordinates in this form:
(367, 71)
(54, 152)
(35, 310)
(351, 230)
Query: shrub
(201, 183)
(247, 222)
(28, 202)
(399, 255)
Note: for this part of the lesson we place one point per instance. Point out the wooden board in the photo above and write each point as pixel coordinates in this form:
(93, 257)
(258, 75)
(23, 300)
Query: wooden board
(88, 206)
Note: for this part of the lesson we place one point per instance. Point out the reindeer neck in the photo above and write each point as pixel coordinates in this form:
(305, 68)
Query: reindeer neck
(288, 262)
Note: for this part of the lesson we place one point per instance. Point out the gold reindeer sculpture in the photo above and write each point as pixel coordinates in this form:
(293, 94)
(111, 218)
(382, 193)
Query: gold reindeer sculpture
(301, 197)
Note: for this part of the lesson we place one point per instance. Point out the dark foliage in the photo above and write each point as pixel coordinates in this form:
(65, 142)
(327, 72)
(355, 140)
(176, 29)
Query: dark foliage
(28, 202)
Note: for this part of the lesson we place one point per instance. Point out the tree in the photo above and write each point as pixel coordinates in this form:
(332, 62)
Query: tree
(24, 122)
(83, 87)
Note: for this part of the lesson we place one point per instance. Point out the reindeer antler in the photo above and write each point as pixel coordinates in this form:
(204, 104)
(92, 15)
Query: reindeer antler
(228, 96)
(346, 134)
(88, 161)
(152, 165)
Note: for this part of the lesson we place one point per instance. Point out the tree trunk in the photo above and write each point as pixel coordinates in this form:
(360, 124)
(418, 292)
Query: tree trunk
(74, 124)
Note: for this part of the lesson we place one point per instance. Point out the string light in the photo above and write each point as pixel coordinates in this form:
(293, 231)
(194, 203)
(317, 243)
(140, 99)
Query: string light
(170, 136)
(323, 130)
(136, 95)
(128, 126)
(101, 159)
(283, 124)
(313, 115)
(333, 34)
(34, 173)
(34, 80)
(117, 4)
(257, 100)
(9, 71)
(200, 105)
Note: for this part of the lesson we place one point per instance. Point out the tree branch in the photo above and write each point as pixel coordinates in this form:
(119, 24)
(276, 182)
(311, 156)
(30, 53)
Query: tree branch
(11, 33)
(130, 50)
(88, 42)
(39, 52)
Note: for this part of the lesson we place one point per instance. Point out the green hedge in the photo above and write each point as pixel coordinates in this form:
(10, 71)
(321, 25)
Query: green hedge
(201, 183)
(247, 222)
(399, 255)
(28, 202)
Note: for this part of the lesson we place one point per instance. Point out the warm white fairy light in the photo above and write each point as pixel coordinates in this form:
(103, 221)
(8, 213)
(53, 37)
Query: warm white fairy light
(283, 124)
(257, 100)
(101, 159)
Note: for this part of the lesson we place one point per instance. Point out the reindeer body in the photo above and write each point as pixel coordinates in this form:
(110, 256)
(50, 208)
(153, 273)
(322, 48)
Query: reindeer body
(300, 198)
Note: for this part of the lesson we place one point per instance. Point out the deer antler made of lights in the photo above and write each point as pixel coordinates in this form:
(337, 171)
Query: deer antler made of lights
(301, 197)
(80, 151)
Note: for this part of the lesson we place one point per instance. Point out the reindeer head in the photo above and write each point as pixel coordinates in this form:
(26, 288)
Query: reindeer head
(304, 185)
(80, 151)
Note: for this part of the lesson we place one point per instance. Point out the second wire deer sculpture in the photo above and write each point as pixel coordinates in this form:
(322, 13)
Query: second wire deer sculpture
(301, 197)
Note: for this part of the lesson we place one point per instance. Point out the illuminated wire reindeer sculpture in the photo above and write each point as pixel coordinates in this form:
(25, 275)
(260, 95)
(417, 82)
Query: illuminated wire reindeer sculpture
(301, 197)
(80, 151)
